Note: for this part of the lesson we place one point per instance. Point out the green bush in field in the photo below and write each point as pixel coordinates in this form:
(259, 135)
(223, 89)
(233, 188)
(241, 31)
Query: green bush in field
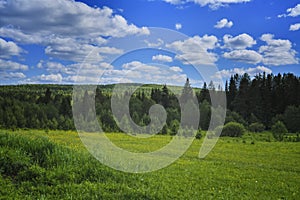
(198, 134)
(278, 130)
(257, 127)
(233, 129)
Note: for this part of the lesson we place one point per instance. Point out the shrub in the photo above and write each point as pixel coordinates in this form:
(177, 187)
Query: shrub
(278, 130)
(257, 127)
(233, 129)
(198, 134)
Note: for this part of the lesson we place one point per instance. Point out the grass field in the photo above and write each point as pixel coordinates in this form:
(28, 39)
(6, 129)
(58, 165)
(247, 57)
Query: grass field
(55, 165)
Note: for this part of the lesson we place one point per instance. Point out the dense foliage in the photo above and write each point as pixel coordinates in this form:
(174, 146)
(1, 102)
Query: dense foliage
(256, 103)
(265, 99)
(233, 129)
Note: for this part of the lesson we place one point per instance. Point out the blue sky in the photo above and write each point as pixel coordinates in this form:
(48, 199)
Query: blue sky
(148, 41)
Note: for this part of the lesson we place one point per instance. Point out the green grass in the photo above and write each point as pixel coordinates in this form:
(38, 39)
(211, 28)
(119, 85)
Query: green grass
(55, 165)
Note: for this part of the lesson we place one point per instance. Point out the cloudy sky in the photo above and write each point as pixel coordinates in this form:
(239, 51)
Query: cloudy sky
(148, 41)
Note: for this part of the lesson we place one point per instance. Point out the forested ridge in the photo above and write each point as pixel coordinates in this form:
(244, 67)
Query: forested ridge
(257, 103)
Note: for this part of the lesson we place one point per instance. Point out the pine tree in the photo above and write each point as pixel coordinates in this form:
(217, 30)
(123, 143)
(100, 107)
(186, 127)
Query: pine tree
(204, 94)
(165, 101)
(187, 92)
(232, 91)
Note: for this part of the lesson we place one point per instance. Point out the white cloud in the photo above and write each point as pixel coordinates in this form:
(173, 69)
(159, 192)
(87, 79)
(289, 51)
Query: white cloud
(251, 71)
(138, 72)
(70, 49)
(21, 37)
(8, 49)
(241, 41)
(178, 26)
(246, 56)
(98, 41)
(196, 50)
(176, 69)
(42, 17)
(158, 43)
(295, 27)
(224, 23)
(69, 30)
(213, 4)
(162, 58)
(51, 78)
(18, 75)
(8, 77)
(55, 67)
(292, 12)
(277, 51)
(174, 2)
(11, 66)
(92, 72)
(4, 76)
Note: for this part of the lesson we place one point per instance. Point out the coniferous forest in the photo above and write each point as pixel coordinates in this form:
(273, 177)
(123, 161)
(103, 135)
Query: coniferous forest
(257, 103)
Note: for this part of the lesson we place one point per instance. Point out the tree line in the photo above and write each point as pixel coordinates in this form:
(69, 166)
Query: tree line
(265, 100)
(256, 103)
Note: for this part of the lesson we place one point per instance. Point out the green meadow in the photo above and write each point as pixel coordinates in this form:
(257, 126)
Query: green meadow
(39, 164)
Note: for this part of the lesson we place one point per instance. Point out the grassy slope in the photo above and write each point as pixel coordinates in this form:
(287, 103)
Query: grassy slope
(57, 166)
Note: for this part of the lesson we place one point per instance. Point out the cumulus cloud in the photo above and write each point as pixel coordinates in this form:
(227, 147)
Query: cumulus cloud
(20, 37)
(174, 2)
(292, 12)
(48, 23)
(295, 27)
(61, 16)
(196, 50)
(8, 49)
(55, 67)
(51, 78)
(277, 51)
(224, 23)
(70, 49)
(162, 58)
(11, 66)
(17, 75)
(8, 76)
(138, 72)
(246, 56)
(241, 41)
(157, 43)
(178, 26)
(213, 4)
(227, 73)
(176, 69)
(78, 72)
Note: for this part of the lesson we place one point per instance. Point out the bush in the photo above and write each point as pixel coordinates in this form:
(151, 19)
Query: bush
(233, 129)
(278, 130)
(257, 127)
(198, 134)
